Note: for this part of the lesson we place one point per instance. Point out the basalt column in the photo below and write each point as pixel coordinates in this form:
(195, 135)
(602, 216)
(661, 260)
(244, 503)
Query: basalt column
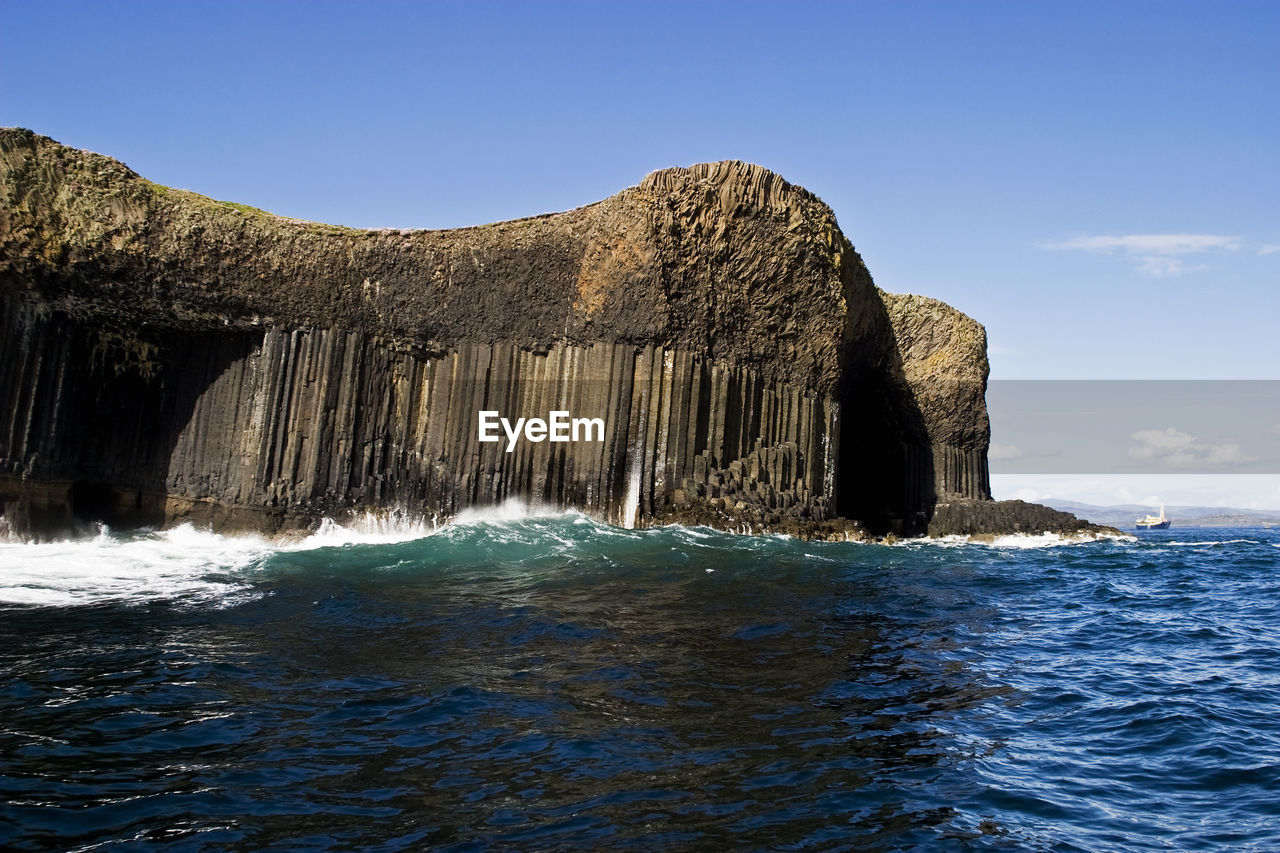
(167, 356)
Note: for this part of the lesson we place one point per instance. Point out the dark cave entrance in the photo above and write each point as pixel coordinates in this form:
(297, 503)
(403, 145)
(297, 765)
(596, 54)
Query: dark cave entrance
(885, 468)
(92, 501)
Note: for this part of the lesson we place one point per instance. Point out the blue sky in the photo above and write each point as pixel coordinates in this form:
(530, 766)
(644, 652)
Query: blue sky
(1096, 182)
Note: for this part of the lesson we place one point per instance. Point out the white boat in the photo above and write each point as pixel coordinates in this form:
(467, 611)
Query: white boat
(1153, 522)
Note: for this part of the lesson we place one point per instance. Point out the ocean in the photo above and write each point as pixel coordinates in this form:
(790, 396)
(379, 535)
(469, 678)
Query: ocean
(540, 681)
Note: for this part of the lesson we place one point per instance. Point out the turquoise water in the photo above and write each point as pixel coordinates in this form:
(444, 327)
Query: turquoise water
(553, 683)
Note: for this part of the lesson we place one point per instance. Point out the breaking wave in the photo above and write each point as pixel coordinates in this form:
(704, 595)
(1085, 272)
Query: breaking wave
(192, 566)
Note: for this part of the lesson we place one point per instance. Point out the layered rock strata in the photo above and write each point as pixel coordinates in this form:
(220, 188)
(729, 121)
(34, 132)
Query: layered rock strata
(166, 356)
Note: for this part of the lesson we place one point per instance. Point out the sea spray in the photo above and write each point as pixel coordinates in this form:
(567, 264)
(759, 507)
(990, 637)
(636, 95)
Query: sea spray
(182, 563)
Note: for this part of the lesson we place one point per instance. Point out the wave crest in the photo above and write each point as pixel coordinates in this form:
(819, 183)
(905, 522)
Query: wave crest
(179, 563)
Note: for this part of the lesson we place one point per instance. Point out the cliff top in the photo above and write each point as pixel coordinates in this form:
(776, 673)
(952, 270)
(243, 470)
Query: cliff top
(742, 181)
(725, 259)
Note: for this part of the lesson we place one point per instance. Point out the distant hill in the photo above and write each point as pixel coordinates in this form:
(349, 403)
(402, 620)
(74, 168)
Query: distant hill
(1123, 515)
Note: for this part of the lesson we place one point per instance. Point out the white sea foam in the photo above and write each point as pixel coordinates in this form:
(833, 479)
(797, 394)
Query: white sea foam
(1043, 540)
(508, 511)
(1212, 542)
(696, 532)
(368, 529)
(191, 565)
(385, 528)
(1015, 540)
(952, 541)
(181, 563)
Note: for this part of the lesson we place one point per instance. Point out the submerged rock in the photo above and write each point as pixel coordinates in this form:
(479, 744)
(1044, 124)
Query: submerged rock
(169, 357)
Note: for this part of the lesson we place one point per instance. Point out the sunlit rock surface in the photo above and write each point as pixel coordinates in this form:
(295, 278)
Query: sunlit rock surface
(168, 357)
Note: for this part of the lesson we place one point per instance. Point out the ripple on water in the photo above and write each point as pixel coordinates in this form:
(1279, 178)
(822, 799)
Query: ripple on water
(548, 682)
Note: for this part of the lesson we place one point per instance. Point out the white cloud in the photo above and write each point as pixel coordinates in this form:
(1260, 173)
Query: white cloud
(1177, 449)
(1226, 454)
(1162, 267)
(1269, 249)
(1157, 254)
(1004, 451)
(1151, 244)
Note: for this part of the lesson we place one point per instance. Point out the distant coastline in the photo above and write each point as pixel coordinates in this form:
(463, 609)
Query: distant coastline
(1122, 515)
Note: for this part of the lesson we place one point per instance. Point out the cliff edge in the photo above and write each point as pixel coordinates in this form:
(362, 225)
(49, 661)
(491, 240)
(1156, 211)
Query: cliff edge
(170, 357)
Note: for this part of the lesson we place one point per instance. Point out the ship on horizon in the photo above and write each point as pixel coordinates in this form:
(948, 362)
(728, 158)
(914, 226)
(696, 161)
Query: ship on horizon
(1153, 522)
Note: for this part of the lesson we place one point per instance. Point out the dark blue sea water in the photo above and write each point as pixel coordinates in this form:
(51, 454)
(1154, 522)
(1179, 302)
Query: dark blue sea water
(549, 683)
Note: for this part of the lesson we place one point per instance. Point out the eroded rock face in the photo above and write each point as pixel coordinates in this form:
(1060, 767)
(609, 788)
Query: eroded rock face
(944, 364)
(170, 357)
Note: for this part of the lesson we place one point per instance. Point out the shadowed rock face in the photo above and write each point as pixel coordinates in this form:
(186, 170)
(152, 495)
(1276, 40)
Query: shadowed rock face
(168, 357)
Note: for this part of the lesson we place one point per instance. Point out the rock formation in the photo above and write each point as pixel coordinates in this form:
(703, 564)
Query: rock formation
(165, 356)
